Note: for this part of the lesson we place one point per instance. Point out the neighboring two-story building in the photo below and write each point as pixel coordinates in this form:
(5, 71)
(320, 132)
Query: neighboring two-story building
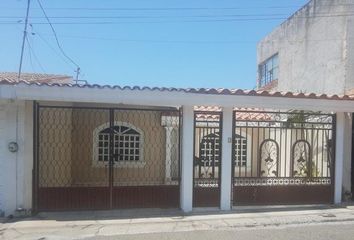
(312, 51)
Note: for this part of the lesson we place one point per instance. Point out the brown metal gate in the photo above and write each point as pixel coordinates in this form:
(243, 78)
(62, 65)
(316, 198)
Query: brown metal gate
(283, 157)
(89, 158)
(207, 158)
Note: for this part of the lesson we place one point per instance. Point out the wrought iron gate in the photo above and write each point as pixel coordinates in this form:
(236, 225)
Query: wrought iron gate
(283, 157)
(207, 158)
(104, 158)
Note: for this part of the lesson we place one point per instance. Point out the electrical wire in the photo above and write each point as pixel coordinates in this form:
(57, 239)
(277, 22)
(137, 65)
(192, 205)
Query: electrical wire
(182, 21)
(34, 55)
(56, 37)
(153, 17)
(163, 8)
(54, 51)
(30, 57)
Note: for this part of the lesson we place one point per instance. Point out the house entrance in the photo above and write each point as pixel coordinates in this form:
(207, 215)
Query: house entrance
(207, 159)
(89, 158)
(283, 157)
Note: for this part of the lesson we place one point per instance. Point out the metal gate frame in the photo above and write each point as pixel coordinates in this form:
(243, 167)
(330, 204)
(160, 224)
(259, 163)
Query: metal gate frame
(207, 196)
(36, 148)
(250, 189)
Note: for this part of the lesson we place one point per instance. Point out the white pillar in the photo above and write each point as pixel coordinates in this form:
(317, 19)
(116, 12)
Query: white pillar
(187, 159)
(226, 161)
(338, 174)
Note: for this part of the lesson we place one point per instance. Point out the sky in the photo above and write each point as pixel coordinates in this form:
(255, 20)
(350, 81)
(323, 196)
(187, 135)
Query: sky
(163, 43)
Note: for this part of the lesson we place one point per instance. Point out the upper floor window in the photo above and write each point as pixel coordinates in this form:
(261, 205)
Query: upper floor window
(127, 143)
(268, 70)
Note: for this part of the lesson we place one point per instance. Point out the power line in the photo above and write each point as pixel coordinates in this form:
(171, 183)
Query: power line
(188, 41)
(52, 48)
(56, 37)
(340, 14)
(34, 54)
(182, 21)
(142, 16)
(30, 57)
(165, 9)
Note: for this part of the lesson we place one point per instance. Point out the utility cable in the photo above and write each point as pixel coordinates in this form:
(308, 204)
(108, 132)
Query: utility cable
(56, 37)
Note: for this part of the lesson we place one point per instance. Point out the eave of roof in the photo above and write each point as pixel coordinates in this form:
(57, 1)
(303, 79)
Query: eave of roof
(213, 91)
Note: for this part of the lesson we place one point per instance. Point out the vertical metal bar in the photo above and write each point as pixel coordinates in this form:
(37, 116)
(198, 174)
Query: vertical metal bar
(246, 149)
(239, 153)
(35, 171)
(291, 164)
(199, 130)
(327, 143)
(179, 147)
(317, 131)
(251, 165)
(323, 148)
(220, 152)
(257, 151)
(213, 142)
(194, 157)
(277, 163)
(280, 152)
(233, 157)
(111, 149)
(311, 149)
(333, 153)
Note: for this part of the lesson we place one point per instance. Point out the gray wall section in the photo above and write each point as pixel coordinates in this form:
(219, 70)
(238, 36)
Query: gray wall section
(316, 53)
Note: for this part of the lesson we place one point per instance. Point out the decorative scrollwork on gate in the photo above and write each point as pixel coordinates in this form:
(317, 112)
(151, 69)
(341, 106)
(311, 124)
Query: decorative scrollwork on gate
(269, 158)
(301, 159)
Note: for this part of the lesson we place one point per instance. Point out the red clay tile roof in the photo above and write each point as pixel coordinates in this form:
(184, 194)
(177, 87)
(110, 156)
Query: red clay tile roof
(35, 77)
(218, 91)
(252, 113)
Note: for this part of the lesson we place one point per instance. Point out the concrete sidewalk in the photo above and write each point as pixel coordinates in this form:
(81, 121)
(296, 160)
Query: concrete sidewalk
(112, 223)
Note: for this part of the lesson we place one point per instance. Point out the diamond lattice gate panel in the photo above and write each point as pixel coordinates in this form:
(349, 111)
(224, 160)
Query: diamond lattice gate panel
(207, 159)
(282, 157)
(104, 158)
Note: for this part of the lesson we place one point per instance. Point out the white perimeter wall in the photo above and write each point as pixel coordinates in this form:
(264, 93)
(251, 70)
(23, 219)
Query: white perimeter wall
(16, 168)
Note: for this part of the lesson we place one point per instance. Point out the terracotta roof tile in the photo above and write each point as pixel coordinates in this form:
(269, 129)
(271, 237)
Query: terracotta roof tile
(35, 77)
(219, 91)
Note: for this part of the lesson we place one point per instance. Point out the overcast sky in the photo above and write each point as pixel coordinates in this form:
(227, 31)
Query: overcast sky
(170, 43)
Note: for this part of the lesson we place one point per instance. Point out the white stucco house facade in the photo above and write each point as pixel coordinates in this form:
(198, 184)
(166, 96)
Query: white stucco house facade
(66, 146)
(312, 51)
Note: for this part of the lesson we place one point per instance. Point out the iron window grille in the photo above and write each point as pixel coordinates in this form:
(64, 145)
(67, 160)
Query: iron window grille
(210, 150)
(240, 151)
(127, 144)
